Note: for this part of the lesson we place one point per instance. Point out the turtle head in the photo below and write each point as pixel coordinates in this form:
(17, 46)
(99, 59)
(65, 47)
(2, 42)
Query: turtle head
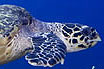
(3, 41)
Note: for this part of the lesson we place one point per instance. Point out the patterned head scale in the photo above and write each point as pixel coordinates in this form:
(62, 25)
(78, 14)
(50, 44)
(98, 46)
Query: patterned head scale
(11, 19)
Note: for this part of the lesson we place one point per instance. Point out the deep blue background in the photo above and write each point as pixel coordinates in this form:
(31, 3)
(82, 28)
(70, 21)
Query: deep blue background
(90, 12)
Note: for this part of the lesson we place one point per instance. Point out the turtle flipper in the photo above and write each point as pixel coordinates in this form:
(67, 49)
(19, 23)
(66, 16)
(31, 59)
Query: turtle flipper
(75, 36)
(49, 50)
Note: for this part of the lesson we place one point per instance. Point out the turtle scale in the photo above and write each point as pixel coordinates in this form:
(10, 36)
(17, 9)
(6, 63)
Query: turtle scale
(15, 16)
(46, 43)
(11, 19)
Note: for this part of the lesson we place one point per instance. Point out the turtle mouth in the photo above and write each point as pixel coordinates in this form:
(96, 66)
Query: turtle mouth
(4, 40)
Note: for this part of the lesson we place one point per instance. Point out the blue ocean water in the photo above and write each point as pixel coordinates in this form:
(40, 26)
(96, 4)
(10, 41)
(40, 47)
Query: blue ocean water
(89, 12)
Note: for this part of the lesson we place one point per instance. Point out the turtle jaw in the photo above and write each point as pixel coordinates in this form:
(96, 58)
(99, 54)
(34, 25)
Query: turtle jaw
(3, 40)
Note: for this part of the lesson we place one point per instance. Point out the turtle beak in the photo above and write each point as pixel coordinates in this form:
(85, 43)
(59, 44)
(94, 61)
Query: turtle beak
(3, 41)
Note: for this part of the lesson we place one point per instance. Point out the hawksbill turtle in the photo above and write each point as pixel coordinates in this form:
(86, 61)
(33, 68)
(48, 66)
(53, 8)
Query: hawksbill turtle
(42, 43)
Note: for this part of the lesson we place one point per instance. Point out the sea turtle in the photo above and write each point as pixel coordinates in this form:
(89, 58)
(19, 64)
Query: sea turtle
(43, 43)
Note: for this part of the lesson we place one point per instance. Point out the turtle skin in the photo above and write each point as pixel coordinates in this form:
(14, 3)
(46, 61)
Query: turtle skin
(46, 43)
(51, 48)
(11, 19)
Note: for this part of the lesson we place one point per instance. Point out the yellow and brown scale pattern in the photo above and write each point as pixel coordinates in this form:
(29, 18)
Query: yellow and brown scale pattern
(11, 19)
